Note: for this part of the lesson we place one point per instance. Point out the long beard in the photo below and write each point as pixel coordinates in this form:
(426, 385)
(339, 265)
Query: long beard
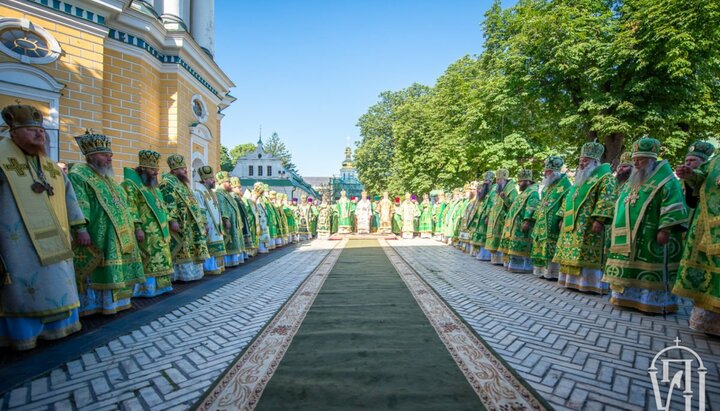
(582, 175)
(501, 187)
(148, 180)
(639, 176)
(623, 177)
(547, 180)
(183, 178)
(104, 171)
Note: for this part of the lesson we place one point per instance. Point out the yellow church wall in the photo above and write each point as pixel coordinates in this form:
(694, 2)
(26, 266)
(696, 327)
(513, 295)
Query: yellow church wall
(80, 68)
(124, 93)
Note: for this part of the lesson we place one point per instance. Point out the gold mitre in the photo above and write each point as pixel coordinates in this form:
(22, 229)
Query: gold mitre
(502, 174)
(176, 161)
(93, 143)
(21, 115)
(149, 159)
(205, 172)
(235, 182)
(222, 177)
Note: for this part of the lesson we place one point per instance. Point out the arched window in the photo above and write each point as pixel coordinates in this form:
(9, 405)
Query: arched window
(30, 85)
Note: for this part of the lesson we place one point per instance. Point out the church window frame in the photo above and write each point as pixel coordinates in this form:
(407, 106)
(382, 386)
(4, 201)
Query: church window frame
(260, 171)
(250, 170)
(269, 171)
(20, 38)
(199, 108)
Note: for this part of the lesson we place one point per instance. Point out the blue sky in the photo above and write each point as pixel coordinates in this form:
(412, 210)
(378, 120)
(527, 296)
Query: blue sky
(309, 69)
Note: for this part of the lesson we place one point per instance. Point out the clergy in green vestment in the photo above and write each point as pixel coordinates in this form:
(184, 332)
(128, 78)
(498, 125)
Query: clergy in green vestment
(345, 210)
(304, 218)
(450, 213)
(647, 234)
(315, 213)
(456, 219)
(698, 276)
(107, 270)
(272, 218)
(208, 201)
(426, 218)
(152, 226)
(188, 246)
(506, 194)
(623, 170)
(466, 219)
(698, 154)
(376, 215)
(324, 218)
(546, 230)
(38, 293)
(488, 194)
(438, 214)
(246, 216)
(397, 218)
(515, 242)
(231, 221)
(262, 223)
(586, 214)
(291, 206)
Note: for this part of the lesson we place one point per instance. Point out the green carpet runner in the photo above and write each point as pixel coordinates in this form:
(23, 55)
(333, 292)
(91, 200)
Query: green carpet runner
(364, 331)
(365, 344)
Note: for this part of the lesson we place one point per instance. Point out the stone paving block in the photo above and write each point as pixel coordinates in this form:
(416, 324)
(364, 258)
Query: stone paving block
(577, 399)
(39, 387)
(18, 397)
(150, 397)
(82, 397)
(100, 385)
(564, 387)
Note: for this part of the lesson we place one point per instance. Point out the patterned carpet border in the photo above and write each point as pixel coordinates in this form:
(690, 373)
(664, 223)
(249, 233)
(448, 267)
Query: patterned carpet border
(494, 381)
(242, 384)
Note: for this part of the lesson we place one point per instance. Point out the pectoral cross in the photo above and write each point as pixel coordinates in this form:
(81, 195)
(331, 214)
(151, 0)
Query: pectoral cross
(632, 198)
(50, 169)
(19, 168)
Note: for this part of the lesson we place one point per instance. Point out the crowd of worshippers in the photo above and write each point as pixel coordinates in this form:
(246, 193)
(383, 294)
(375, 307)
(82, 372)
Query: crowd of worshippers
(79, 243)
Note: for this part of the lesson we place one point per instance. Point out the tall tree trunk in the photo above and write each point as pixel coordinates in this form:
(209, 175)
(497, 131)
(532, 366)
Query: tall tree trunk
(614, 147)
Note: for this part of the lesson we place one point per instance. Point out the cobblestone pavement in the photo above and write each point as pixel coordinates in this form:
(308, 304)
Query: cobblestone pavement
(577, 350)
(169, 362)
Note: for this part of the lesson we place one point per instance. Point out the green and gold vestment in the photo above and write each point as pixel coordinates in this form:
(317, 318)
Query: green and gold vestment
(578, 246)
(514, 241)
(546, 231)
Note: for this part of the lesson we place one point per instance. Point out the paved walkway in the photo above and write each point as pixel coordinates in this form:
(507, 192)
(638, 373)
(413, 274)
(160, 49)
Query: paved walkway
(577, 350)
(169, 362)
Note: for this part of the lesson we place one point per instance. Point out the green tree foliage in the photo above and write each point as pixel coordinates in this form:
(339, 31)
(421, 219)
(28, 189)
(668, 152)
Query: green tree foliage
(240, 150)
(277, 148)
(226, 164)
(553, 74)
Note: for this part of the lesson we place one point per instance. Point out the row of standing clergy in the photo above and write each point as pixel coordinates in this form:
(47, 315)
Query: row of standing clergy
(645, 234)
(78, 244)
